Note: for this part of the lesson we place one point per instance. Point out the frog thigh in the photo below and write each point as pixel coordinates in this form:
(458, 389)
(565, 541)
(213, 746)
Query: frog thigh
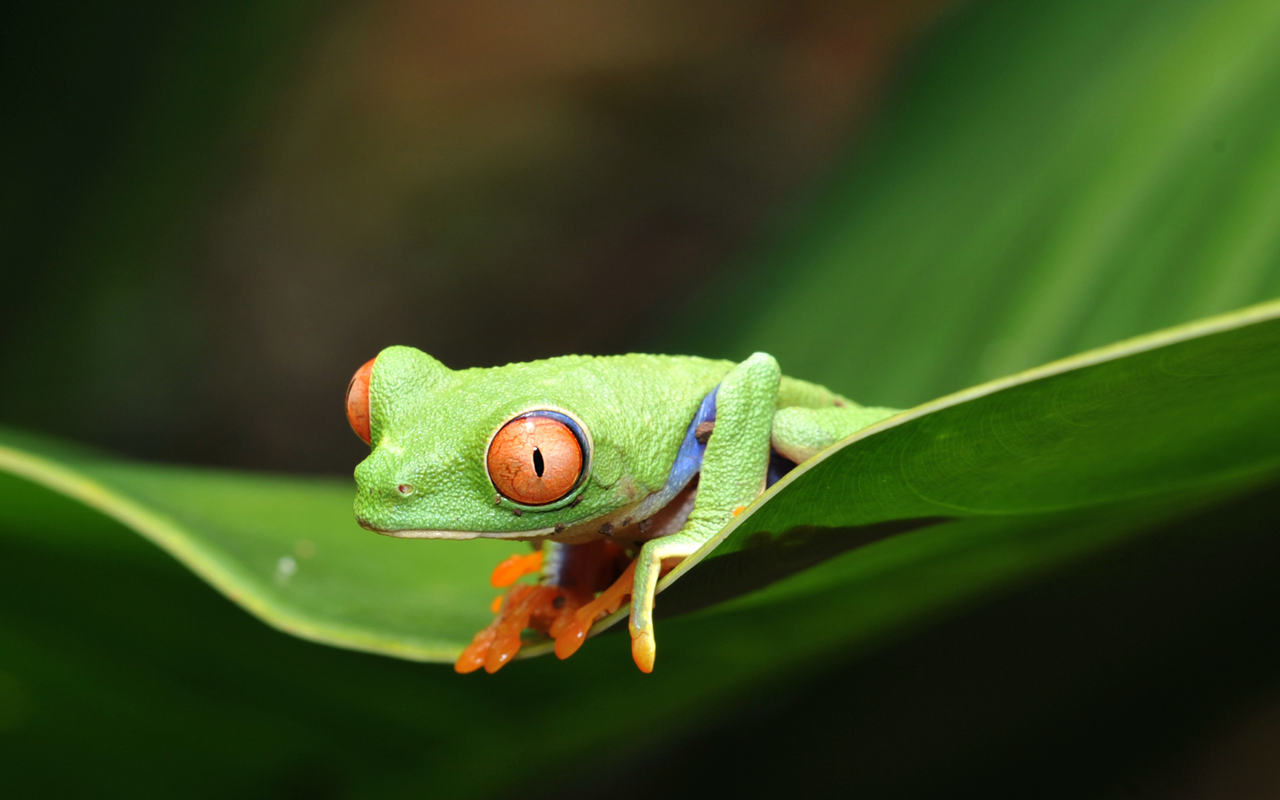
(799, 433)
(732, 475)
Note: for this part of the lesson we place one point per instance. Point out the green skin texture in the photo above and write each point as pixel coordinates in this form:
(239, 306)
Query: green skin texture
(431, 426)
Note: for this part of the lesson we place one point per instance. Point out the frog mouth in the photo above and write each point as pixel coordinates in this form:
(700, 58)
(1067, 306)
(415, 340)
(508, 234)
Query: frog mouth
(458, 535)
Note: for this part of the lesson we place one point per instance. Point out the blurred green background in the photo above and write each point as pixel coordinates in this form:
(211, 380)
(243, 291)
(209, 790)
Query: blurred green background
(215, 212)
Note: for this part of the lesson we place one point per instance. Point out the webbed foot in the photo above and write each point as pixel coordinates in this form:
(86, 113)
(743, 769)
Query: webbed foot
(523, 606)
(550, 607)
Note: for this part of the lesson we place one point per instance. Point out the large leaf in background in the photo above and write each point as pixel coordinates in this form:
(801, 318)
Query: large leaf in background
(1052, 177)
(1167, 413)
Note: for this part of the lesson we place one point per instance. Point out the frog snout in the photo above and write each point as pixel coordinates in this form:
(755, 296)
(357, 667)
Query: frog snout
(382, 500)
(379, 478)
(388, 493)
(375, 511)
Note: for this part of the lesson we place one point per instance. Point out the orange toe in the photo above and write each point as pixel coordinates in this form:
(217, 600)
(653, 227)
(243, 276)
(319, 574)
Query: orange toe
(514, 568)
(473, 657)
(571, 638)
(503, 649)
(643, 650)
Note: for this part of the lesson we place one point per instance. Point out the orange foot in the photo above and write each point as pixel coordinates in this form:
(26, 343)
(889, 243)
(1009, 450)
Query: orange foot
(523, 607)
(565, 613)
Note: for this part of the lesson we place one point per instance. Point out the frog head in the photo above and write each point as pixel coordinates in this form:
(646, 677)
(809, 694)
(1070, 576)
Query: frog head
(497, 453)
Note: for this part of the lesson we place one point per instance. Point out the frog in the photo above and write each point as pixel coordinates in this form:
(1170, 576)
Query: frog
(613, 468)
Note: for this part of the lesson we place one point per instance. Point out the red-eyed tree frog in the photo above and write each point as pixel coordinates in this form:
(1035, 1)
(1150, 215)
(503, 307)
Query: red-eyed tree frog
(615, 467)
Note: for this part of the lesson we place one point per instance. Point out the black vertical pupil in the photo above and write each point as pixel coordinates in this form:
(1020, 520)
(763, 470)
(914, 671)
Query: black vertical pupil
(538, 465)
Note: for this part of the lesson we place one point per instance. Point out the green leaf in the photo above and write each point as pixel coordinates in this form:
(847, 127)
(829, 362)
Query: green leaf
(287, 549)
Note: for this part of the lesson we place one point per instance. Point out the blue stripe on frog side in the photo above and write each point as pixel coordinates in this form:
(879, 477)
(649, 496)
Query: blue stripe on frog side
(688, 460)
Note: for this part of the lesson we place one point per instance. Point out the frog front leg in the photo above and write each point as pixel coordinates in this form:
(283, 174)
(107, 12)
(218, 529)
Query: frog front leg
(733, 474)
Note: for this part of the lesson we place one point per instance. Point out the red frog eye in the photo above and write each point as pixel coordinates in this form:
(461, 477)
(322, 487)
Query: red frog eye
(536, 458)
(358, 401)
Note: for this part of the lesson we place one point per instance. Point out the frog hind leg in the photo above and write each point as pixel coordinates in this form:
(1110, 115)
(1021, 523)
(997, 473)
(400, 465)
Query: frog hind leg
(733, 474)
